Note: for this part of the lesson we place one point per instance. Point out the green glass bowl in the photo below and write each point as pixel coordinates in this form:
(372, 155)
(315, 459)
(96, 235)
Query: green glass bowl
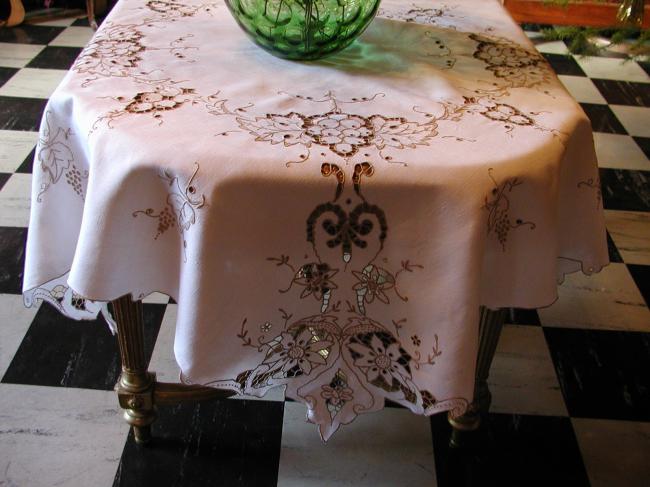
(303, 29)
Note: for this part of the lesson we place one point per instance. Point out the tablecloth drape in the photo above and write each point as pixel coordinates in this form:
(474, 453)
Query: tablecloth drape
(330, 226)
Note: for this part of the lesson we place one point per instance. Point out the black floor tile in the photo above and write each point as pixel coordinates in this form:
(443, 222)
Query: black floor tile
(511, 451)
(12, 259)
(625, 189)
(624, 92)
(603, 374)
(28, 163)
(518, 316)
(59, 351)
(223, 442)
(55, 57)
(614, 255)
(528, 27)
(641, 276)
(4, 177)
(21, 113)
(644, 143)
(30, 34)
(6, 74)
(603, 119)
(645, 65)
(83, 22)
(564, 64)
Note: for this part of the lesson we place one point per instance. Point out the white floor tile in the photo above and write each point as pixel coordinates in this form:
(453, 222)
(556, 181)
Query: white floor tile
(612, 68)
(534, 35)
(582, 89)
(73, 37)
(630, 231)
(156, 298)
(17, 55)
(65, 22)
(392, 447)
(619, 151)
(15, 320)
(15, 146)
(636, 120)
(614, 452)
(59, 436)
(33, 83)
(15, 200)
(555, 47)
(162, 361)
(608, 300)
(522, 377)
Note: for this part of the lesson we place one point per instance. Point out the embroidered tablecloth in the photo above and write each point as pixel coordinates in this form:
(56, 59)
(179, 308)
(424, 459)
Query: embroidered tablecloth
(330, 226)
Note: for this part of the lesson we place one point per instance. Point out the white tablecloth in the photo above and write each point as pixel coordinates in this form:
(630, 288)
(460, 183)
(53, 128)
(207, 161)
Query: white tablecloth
(332, 226)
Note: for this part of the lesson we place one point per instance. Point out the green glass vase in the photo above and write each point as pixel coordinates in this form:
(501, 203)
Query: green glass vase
(303, 29)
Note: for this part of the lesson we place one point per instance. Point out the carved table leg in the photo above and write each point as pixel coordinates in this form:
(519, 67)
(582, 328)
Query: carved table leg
(90, 13)
(490, 325)
(136, 385)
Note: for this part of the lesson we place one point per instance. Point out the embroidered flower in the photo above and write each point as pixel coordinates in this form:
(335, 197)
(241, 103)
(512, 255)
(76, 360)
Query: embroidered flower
(373, 282)
(380, 356)
(298, 350)
(316, 278)
(336, 395)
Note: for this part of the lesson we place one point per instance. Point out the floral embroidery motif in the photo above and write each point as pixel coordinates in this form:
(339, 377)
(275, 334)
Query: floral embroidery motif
(161, 98)
(440, 16)
(117, 50)
(384, 362)
(498, 206)
(56, 159)
(62, 297)
(337, 393)
(297, 352)
(509, 61)
(374, 282)
(171, 10)
(114, 51)
(180, 209)
(342, 133)
(314, 277)
(593, 183)
(503, 113)
(340, 369)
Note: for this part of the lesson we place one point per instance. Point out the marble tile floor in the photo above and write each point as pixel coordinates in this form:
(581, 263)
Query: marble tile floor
(570, 383)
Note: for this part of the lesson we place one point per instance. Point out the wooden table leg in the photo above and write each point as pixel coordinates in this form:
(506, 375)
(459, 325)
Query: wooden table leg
(137, 390)
(90, 13)
(136, 385)
(490, 325)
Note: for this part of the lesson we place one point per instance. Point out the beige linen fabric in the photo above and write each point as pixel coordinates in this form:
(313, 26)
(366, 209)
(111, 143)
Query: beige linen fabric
(330, 227)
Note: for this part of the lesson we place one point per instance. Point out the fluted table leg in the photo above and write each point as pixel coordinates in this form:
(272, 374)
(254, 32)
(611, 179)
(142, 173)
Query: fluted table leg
(136, 385)
(490, 325)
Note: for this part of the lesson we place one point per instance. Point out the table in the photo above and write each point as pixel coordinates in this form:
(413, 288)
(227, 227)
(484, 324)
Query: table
(339, 228)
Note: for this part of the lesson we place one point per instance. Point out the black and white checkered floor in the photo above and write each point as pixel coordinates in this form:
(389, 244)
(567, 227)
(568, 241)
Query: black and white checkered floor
(571, 383)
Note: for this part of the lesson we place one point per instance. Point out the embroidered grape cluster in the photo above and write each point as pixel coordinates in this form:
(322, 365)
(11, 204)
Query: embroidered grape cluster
(502, 226)
(166, 219)
(73, 178)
